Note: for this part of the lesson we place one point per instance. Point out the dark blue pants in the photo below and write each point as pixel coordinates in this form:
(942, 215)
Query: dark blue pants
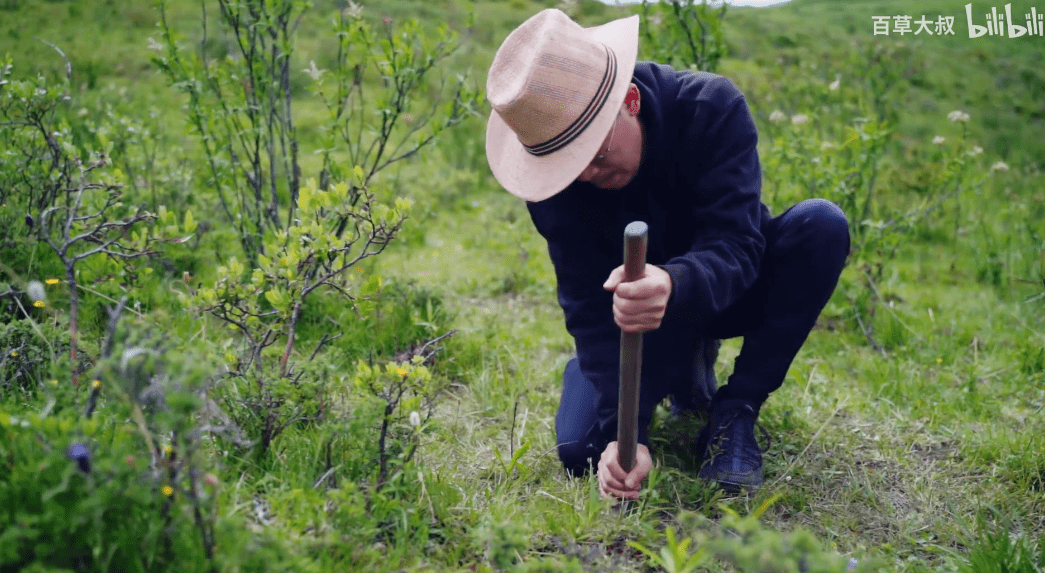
(806, 249)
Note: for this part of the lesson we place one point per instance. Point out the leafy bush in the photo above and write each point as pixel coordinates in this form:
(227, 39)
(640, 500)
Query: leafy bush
(750, 547)
(120, 483)
(27, 355)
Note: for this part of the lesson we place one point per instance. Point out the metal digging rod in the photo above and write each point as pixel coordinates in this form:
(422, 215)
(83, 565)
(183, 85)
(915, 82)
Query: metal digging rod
(636, 236)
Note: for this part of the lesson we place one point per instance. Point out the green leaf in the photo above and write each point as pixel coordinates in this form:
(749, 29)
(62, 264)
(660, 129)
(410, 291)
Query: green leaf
(276, 299)
(189, 223)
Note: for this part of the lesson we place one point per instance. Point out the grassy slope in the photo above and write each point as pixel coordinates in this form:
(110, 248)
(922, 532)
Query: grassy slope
(897, 453)
(892, 454)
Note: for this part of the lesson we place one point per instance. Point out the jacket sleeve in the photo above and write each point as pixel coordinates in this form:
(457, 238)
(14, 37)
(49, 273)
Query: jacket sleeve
(718, 166)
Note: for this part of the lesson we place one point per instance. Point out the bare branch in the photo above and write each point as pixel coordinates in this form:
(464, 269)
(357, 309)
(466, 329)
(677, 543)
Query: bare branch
(68, 64)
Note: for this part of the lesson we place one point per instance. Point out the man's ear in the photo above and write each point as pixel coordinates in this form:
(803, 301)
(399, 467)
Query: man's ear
(632, 100)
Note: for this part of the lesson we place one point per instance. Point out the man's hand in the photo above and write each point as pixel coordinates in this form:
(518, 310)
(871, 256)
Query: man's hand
(614, 481)
(639, 306)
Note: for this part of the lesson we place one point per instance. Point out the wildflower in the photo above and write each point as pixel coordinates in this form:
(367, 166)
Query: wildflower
(939, 139)
(958, 116)
(799, 119)
(976, 150)
(939, 360)
(402, 372)
(81, 455)
(777, 116)
(1000, 166)
(168, 490)
(35, 290)
(827, 145)
(354, 10)
(96, 384)
(52, 281)
(154, 45)
(415, 419)
(833, 86)
(14, 354)
(313, 71)
(211, 480)
(39, 304)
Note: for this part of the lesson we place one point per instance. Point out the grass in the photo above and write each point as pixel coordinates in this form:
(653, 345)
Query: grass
(902, 455)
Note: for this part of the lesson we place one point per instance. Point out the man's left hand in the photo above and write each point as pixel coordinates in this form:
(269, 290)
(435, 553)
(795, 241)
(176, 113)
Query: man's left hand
(639, 306)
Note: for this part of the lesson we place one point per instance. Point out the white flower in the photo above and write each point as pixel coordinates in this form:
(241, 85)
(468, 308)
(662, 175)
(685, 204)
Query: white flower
(314, 72)
(958, 116)
(777, 116)
(35, 290)
(354, 10)
(939, 139)
(834, 85)
(415, 419)
(976, 150)
(1000, 166)
(827, 145)
(154, 45)
(799, 119)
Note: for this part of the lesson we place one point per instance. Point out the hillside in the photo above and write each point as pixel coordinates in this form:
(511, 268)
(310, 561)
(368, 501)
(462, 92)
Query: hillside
(401, 416)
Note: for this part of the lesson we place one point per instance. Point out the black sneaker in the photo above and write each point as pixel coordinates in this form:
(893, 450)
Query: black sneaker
(730, 454)
(704, 384)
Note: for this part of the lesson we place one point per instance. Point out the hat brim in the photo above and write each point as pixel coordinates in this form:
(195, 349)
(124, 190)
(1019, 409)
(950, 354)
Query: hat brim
(536, 178)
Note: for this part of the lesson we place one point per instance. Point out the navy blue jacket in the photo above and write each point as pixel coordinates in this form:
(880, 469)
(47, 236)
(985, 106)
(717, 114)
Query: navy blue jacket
(699, 189)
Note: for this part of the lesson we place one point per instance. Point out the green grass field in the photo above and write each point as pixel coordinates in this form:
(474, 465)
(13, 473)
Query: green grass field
(911, 437)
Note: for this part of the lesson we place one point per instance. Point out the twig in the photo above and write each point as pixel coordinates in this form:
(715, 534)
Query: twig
(511, 436)
(863, 328)
(114, 318)
(421, 351)
(326, 338)
(324, 477)
(68, 65)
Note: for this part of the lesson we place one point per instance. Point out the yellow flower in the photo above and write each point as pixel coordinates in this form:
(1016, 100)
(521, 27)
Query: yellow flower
(52, 281)
(39, 304)
(14, 353)
(96, 384)
(168, 490)
(939, 360)
(401, 372)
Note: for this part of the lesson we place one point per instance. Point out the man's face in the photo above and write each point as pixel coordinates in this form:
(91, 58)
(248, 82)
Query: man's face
(617, 161)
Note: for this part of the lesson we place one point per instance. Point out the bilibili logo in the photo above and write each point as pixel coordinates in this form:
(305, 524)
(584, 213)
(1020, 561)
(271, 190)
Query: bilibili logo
(1002, 23)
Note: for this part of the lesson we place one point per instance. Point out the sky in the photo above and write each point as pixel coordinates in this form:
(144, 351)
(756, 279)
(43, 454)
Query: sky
(713, 3)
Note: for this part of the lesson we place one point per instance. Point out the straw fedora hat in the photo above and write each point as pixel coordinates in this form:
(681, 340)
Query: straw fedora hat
(555, 88)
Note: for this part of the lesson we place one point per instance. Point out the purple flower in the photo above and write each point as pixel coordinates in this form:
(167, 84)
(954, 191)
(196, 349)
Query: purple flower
(81, 455)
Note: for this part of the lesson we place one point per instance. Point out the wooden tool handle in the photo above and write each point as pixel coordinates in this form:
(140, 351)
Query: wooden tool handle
(636, 237)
